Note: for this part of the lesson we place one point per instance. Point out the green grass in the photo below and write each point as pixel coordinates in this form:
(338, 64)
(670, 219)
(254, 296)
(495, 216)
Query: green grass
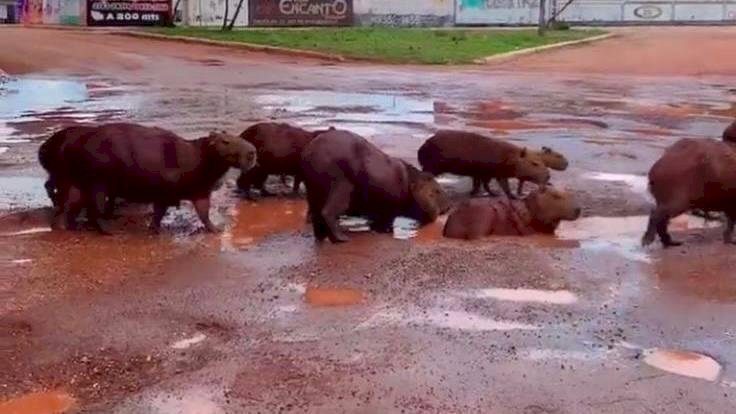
(390, 44)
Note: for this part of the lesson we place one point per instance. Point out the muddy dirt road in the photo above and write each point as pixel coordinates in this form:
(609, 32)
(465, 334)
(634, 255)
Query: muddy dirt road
(260, 319)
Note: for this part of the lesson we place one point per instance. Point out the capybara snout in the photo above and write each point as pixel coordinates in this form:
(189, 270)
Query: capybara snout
(552, 205)
(553, 159)
(235, 151)
(531, 167)
(429, 195)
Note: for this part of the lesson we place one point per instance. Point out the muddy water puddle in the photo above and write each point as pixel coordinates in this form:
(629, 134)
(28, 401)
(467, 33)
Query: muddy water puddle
(52, 402)
(551, 297)
(22, 191)
(685, 363)
(254, 221)
(443, 319)
(332, 296)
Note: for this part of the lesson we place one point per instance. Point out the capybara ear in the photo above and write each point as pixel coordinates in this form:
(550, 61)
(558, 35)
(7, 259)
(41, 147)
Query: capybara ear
(331, 128)
(546, 150)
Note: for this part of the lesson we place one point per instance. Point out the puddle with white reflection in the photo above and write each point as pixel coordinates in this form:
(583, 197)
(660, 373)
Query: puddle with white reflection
(188, 342)
(637, 183)
(21, 261)
(561, 354)
(686, 363)
(458, 320)
(404, 228)
(554, 297)
(26, 232)
(191, 401)
(3, 150)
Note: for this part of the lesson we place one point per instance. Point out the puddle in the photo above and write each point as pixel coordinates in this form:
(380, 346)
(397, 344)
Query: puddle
(561, 354)
(21, 261)
(254, 221)
(3, 150)
(458, 320)
(188, 342)
(554, 297)
(52, 402)
(20, 191)
(637, 183)
(686, 363)
(321, 296)
(192, 401)
(404, 228)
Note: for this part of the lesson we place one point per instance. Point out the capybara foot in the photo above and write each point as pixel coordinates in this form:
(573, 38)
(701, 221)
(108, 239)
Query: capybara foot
(339, 237)
(648, 238)
(671, 243)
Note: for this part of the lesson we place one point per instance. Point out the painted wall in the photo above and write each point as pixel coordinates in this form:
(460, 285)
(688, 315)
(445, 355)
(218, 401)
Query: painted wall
(71, 12)
(611, 11)
(211, 12)
(30, 11)
(404, 12)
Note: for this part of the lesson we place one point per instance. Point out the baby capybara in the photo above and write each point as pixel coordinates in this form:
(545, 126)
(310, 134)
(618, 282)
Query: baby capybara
(551, 158)
(145, 165)
(344, 173)
(692, 174)
(279, 148)
(480, 157)
(539, 212)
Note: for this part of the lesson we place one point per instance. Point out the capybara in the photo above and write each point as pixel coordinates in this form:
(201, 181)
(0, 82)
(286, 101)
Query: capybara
(551, 158)
(48, 155)
(692, 174)
(343, 173)
(480, 157)
(279, 148)
(145, 165)
(539, 212)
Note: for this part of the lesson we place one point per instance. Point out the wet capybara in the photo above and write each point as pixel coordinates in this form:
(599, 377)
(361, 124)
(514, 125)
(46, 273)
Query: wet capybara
(343, 173)
(279, 148)
(48, 154)
(551, 158)
(692, 174)
(539, 212)
(145, 165)
(480, 157)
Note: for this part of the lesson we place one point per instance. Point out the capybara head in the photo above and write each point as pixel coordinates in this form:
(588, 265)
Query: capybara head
(428, 196)
(549, 206)
(237, 152)
(530, 167)
(553, 159)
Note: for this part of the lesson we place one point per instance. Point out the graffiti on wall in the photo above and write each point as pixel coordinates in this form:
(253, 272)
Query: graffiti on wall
(30, 11)
(498, 4)
(301, 12)
(52, 11)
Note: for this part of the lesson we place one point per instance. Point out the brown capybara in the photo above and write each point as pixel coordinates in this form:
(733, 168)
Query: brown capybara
(145, 165)
(279, 148)
(480, 157)
(343, 173)
(48, 154)
(729, 134)
(692, 174)
(539, 212)
(551, 158)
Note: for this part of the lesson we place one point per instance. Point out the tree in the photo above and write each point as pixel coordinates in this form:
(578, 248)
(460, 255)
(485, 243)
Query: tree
(235, 16)
(542, 17)
(224, 17)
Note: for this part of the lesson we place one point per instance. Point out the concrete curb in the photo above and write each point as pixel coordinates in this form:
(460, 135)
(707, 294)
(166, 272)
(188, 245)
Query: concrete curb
(239, 45)
(523, 52)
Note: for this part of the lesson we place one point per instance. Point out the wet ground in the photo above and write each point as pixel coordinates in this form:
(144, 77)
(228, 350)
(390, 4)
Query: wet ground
(261, 319)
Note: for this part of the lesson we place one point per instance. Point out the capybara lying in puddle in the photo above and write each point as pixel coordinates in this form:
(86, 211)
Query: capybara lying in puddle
(480, 157)
(145, 165)
(692, 174)
(551, 158)
(539, 212)
(48, 155)
(343, 172)
(279, 148)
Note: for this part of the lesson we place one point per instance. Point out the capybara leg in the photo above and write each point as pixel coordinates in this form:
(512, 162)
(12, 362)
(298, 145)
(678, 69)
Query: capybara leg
(487, 187)
(71, 203)
(95, 209)
(658, 222)
(202, 207)
(159, 211)
(728, 229)
(110, 207)
(259, 181)
(297, 183)
(50, 186)
(338, 202)
(520, 188)
(382, 224)
(245, 181)
(504, 183)
(321, 231)
(476, 186)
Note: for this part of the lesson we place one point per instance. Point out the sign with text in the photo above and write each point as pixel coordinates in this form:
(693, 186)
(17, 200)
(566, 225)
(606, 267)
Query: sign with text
(128, 12)
(301, 12)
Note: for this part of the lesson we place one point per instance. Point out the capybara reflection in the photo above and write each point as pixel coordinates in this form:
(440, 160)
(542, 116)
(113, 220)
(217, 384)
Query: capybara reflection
(345, 173)
(145, 165)
(279, 148)
(48, 155)
(539, 212)
(551, 158)
(480, 157)
(692, 174)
